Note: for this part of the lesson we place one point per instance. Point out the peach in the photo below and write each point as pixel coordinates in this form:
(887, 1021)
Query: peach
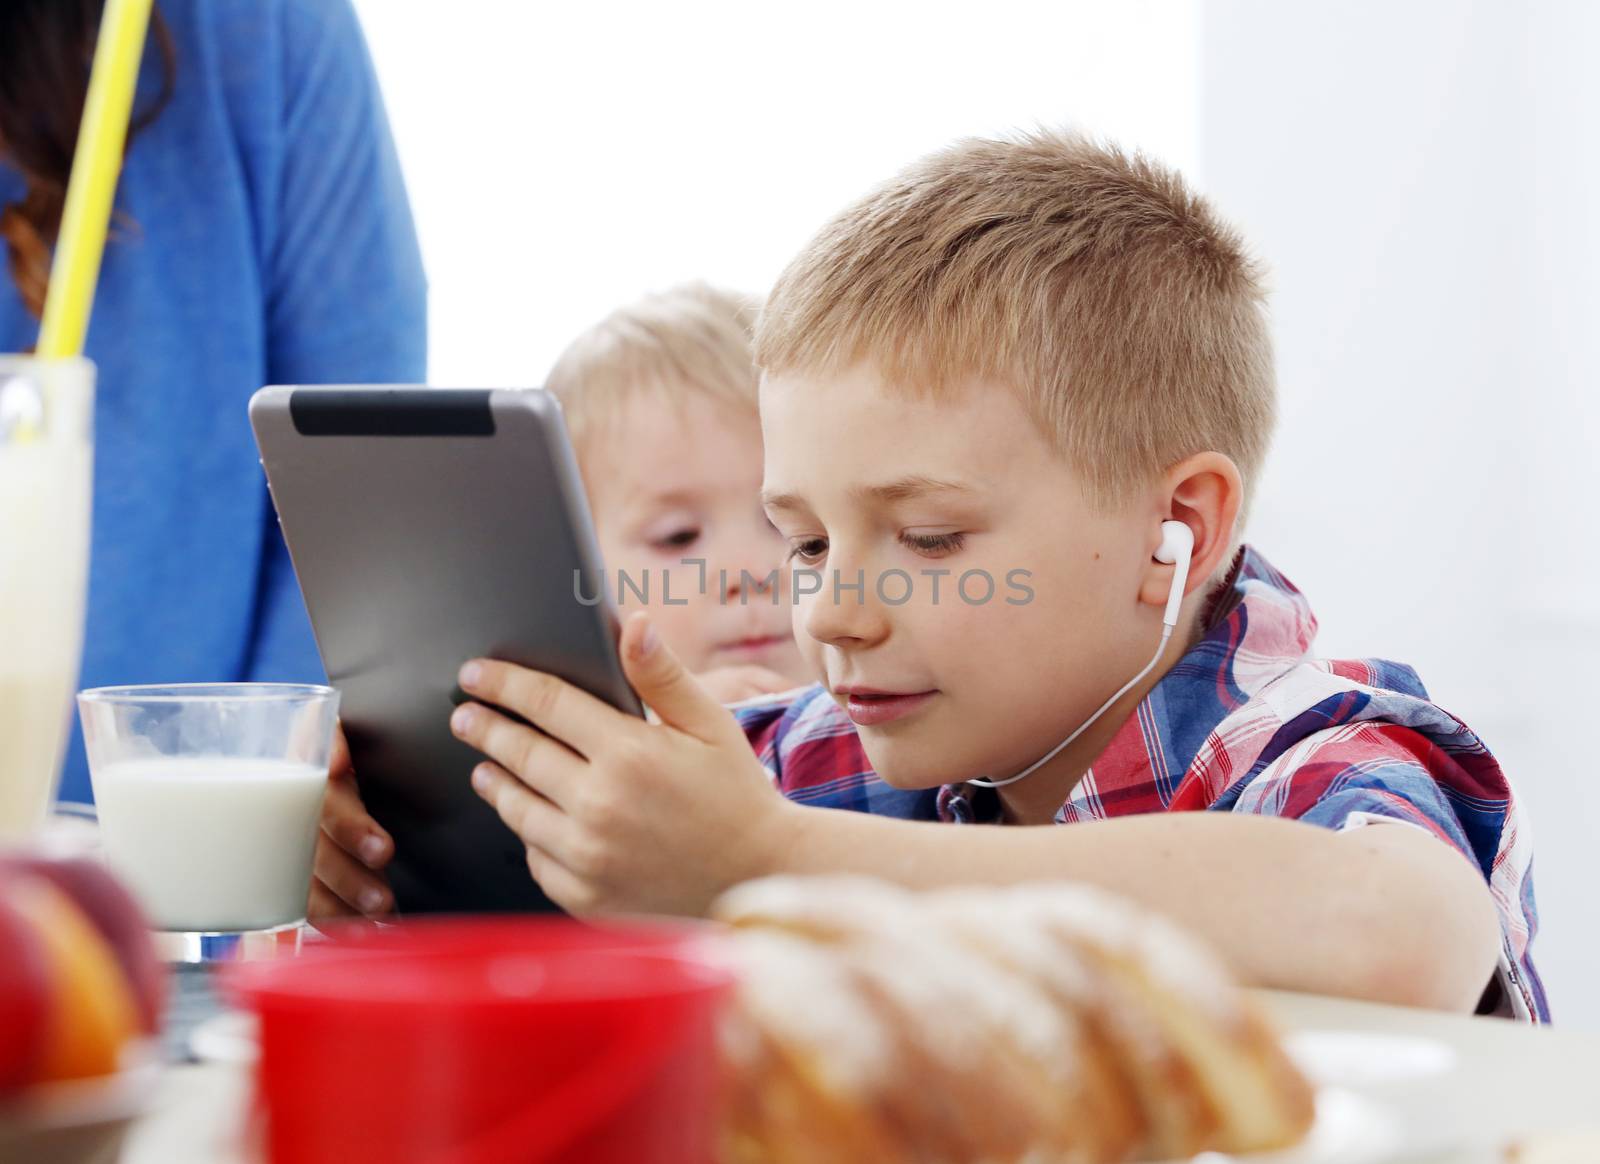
(119, 919)
(92, 1012)
(24, 997)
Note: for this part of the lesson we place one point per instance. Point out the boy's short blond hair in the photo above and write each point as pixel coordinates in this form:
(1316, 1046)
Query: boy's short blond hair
(1095, 282)
(692, 338)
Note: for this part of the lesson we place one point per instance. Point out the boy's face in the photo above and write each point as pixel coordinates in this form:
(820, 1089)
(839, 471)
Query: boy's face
(974, 680)
(673, 480)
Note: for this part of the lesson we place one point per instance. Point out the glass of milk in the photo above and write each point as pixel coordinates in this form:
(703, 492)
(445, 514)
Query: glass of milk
(210, 797)
(46, 463)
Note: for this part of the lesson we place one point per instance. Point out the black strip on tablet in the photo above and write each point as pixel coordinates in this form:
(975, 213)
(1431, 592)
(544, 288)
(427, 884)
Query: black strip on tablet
(413, 412)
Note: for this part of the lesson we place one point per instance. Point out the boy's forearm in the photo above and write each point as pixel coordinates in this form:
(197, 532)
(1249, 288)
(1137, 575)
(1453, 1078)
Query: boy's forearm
(1387, 913)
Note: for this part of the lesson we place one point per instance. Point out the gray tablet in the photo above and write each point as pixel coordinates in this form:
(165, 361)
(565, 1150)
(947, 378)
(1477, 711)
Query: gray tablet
(429, 526)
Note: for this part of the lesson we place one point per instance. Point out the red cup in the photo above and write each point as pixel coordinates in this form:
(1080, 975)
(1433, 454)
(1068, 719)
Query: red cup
(490, 1040)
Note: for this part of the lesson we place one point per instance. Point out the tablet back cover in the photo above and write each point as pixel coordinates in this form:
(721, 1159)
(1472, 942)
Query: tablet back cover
(429, 526)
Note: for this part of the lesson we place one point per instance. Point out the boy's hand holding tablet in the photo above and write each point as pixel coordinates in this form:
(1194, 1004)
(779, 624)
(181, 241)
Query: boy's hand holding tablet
(354, 849)
(571, 790)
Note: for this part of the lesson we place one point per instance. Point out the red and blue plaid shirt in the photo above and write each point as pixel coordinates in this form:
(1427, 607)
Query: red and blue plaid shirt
(1246, 721)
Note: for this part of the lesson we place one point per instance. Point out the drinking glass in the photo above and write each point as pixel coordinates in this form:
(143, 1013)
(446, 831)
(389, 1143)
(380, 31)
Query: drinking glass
(210, 797)
(46, 467)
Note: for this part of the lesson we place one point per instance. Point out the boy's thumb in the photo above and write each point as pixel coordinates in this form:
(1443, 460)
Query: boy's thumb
(664, 684)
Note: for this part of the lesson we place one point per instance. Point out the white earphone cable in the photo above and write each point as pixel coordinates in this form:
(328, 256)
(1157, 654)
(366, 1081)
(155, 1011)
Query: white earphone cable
(1166, 633)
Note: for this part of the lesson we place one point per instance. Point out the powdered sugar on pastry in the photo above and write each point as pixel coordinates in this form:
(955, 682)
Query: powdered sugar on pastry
(1042, 1022)
(808, 999)
(889, 933)
(1171, 958)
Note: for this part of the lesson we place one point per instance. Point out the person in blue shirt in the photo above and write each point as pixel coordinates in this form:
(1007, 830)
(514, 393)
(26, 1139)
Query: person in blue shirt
(261, 235)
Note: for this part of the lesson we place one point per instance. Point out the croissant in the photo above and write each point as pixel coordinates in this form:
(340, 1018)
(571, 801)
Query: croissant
(987, 1026)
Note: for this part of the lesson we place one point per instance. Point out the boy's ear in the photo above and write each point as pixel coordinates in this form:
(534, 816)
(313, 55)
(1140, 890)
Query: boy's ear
(1205, 492)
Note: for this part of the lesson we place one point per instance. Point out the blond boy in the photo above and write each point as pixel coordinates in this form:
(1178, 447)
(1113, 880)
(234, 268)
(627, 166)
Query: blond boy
(1032, 356)
(660, 401)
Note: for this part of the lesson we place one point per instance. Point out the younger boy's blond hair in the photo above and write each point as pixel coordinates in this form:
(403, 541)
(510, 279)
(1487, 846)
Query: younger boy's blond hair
(1094, 282)
(692, 338)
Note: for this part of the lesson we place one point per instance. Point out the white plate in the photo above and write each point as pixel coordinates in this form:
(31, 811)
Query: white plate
(1348, 1130)
(1366, 1059)
(80, 1119)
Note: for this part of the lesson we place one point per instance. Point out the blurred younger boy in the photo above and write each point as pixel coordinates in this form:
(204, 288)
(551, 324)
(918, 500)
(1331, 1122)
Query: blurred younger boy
(660, 401)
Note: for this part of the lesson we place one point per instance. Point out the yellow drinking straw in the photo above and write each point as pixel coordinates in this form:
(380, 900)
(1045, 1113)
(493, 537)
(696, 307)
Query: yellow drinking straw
(95, 167)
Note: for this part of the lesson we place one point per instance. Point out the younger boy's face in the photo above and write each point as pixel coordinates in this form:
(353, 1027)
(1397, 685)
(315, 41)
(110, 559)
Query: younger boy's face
(670, 480)
(1036, 614)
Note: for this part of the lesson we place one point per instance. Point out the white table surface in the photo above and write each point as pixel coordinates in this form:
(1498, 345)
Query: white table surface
(1506, 1081)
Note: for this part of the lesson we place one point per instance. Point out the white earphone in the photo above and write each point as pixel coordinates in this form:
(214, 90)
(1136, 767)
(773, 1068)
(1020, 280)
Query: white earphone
(1176, 548)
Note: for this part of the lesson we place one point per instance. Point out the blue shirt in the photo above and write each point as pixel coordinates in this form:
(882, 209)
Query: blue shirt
(262, 236)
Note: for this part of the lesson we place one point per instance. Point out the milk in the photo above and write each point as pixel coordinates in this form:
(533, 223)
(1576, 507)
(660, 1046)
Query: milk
(44, 555)
(212, 843)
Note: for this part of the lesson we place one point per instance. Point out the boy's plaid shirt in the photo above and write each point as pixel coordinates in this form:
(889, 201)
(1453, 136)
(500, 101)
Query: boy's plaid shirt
(1246, 721)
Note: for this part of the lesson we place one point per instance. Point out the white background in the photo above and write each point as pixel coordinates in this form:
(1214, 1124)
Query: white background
(1420, 177)
(563, 158)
